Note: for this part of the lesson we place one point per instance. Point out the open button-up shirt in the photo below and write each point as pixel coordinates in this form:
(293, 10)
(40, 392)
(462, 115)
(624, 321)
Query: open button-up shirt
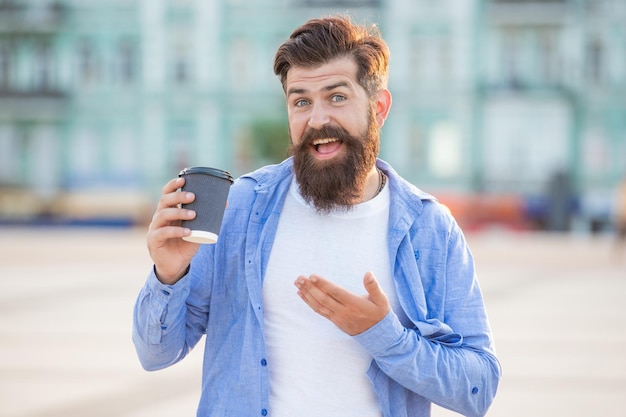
(447, 357)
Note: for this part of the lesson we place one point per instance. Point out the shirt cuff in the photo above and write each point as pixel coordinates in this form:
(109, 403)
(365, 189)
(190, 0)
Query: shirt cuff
(157, 287)
(384, 335)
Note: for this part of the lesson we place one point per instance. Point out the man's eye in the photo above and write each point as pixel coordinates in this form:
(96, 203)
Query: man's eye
(337, 98)
(301, 103)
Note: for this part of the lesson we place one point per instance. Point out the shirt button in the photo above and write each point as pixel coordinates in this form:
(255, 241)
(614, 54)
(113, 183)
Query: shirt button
(475, 390)
(264, 412)
(263, 362)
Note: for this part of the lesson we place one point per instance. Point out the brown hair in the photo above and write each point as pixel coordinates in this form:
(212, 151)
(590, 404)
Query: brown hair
(319, 41)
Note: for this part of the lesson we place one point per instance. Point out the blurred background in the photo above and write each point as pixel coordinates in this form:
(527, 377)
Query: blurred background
(512, 112)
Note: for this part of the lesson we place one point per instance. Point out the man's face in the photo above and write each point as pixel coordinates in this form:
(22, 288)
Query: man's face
(334, 133)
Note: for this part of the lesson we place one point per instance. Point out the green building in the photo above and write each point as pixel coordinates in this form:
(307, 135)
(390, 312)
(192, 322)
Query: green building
(110, 98)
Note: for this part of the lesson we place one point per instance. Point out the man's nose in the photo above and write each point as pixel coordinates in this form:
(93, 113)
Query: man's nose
(319, 116)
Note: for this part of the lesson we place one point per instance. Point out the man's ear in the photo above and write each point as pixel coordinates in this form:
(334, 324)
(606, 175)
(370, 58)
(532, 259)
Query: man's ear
(383, 104)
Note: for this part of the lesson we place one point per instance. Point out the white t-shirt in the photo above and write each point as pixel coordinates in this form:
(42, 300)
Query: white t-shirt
(315, 368)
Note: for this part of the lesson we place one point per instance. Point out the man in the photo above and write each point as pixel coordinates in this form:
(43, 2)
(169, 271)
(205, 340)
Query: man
(386, 315)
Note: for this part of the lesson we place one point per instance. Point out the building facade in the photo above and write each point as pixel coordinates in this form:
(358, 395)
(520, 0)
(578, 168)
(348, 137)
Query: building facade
(491, 96)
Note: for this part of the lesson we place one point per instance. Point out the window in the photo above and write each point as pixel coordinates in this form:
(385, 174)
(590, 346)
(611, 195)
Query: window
(9, 155)
(181, 135)
(529, 1)
(85, 155)
(87, 62)
(181, 69)
(7, 57)
(43, 76)
(123, 148)
(241, 63)
(342, 3)
(431, 60)
(594, 60)
(181, 59)
(127, 61)
(510, 58)
(550, 56)
(445, 153)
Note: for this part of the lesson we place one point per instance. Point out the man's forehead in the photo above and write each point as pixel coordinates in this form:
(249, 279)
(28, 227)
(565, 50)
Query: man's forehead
(334, 74)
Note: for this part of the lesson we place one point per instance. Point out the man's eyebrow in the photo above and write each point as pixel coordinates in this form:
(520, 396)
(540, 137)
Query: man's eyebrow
(295, 91)
(336, 85)
(327, 88)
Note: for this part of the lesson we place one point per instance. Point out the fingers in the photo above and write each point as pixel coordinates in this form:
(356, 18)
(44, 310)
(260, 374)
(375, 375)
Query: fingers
(376, 294)
(321, 295)
(167, 218)
(171, 255)
(168, 210)
(162, 234)
(352, 313)
(171, 216)
(173, 185)
(170, 197)
(325, 292)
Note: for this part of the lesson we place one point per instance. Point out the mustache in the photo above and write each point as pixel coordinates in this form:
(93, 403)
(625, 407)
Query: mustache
(325, 132)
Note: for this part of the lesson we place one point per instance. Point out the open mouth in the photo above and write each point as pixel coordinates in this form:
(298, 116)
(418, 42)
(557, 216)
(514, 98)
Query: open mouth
(326, 146)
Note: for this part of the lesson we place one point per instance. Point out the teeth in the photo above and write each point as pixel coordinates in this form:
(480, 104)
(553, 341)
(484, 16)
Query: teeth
(323, 141)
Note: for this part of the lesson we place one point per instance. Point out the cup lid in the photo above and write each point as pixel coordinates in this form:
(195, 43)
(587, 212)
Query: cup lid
(216, 172)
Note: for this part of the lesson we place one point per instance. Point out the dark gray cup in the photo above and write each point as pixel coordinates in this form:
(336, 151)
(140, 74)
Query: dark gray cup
(211, 186)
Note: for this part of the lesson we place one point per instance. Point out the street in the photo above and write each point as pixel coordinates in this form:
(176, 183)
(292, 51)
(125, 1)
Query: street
(556, 305)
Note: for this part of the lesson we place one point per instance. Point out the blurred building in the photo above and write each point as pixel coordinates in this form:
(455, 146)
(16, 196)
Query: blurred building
(552, 113)
(112, 97)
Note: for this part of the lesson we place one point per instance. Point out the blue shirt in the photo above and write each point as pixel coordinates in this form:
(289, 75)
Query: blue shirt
(447, 357)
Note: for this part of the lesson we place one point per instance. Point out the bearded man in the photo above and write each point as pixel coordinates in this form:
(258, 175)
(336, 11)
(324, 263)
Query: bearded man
(336, 288)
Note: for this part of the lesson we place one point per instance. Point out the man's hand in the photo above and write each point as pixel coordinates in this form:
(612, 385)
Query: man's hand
(350, 312)
(171, 254)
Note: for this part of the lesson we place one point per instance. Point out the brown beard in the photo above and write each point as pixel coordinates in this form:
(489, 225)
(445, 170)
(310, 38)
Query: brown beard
(336, 184)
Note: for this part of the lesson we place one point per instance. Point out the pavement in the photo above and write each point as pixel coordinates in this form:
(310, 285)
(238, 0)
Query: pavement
(555, 302)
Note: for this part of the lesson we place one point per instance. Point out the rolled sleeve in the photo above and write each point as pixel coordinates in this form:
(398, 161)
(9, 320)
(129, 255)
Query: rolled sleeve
(384, 335)
(156, 314)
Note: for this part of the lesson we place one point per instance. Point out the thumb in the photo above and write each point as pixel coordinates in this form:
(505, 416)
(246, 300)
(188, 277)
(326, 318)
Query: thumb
(373, 289)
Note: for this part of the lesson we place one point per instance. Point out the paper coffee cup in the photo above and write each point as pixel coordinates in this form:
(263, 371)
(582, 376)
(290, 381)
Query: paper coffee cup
(211, 186)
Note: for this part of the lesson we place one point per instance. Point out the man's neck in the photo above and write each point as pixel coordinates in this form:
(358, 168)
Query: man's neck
(374, 184)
